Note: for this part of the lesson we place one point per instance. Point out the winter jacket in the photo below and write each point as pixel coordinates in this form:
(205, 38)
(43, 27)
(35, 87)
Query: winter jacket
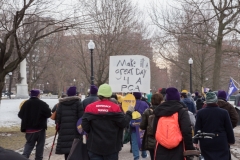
(104, 122)
(6, 154)
(149, 141)
(231, 111)
(34, 114)
(92, 98)
(190, 104)
(213, 119)
(141, 106)
(68, 112)
(168, 108)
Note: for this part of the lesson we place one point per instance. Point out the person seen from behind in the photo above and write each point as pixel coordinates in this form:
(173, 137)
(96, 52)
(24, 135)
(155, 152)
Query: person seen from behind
(171, 107)
(68, 112)
(149, 96)
(213, 119)
(140, 107)
(92, 96)
(34, 113)
(104, 122)
(224, 104)
(149, 142)
(189, 103)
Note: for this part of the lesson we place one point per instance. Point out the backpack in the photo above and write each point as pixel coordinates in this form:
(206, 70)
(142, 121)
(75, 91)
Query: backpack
(168, 132)
(150, 123)
(199, 103)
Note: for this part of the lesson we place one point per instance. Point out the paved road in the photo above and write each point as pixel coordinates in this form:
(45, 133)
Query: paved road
(123, 155)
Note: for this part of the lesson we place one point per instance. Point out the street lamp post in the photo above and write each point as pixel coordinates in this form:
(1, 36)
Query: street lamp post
(91, 47)
(74, 80)
(47, 86)
(190, 62)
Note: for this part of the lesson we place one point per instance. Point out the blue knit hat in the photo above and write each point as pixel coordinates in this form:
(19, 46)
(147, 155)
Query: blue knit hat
(72, 91)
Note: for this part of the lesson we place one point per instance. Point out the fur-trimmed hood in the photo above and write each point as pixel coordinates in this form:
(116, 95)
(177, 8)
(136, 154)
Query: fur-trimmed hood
(69, 100)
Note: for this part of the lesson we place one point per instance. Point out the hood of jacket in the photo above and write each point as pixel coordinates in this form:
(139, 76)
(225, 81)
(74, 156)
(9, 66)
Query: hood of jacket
(69, 100)
(187, 101)
(168, 108)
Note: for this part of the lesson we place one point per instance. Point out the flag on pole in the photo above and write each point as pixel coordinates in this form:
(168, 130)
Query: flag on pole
(232, 88)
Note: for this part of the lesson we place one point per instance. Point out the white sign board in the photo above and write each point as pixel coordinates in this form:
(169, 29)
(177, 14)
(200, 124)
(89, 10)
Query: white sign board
(129, 73)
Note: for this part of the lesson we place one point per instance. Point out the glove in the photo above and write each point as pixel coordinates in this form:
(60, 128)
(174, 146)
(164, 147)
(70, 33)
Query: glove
(130, 108)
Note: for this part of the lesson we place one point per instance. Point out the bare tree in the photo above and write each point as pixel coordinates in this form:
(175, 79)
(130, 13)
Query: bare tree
(116, 31)
(207, 23)
(23, 24)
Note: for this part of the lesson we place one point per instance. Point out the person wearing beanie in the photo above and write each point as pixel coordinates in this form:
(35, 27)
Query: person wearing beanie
(72, 91)
(213, 119)
(68, 112)
(140, 107)
(34, 113)
(104, 122)
(172, 105)
(92, 96)
(163, 92)
(188, 102)
(196, 95)
(222, 103)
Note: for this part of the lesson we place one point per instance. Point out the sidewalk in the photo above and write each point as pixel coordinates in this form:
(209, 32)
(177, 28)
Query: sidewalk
(124, 153)
(235, 149)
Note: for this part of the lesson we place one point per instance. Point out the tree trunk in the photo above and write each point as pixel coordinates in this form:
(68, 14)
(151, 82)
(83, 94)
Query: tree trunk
(2, 83)
(218, 59)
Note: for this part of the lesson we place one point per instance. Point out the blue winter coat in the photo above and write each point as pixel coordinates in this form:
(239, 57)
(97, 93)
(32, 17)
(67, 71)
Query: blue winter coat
(190, 104)
(213, 119)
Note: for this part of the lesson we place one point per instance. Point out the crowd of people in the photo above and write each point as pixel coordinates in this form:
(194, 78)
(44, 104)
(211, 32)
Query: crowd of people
(104, 122)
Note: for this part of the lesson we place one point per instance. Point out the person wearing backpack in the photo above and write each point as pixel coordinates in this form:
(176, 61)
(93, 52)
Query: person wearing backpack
(140, 107)
(146, 124)
(172, 128)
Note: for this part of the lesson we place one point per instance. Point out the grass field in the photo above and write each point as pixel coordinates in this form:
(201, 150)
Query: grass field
(12, 138)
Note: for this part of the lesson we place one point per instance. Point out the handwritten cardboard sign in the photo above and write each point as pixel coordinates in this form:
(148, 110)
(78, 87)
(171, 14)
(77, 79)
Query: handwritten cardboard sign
(129, 73)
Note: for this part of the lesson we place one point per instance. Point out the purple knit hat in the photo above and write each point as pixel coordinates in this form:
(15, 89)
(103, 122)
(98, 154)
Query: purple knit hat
(196, 94)
(35, 92)
(93, 89)
(137, 95)
(72, 91)
(222, 95)
(172, 94)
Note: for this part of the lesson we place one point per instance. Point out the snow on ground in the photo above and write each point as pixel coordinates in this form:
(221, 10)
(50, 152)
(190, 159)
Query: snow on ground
(9, 109)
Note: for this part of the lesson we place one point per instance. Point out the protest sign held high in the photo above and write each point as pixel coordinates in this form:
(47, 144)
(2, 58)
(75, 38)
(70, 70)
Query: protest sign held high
(129, 73)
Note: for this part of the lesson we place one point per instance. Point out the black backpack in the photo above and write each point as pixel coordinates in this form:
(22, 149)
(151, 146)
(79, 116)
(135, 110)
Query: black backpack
(199, 103)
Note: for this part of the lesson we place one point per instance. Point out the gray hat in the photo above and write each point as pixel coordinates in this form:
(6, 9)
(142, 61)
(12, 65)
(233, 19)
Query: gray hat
(211, 97)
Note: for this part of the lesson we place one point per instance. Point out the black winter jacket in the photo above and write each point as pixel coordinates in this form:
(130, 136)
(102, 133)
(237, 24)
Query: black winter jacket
(104, 122)
(213, 119)
(34, 114)
(168, 108)
(68, 112)
(92, 98)
(149, 141)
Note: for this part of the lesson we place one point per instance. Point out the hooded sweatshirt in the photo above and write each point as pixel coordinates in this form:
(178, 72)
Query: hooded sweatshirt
(190, 104)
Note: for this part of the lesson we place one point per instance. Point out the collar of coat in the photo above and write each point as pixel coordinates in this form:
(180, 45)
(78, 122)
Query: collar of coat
(69, 98)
